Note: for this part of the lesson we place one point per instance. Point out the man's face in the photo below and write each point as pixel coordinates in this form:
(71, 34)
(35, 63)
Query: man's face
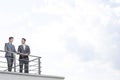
(11, 40)
(22, 41)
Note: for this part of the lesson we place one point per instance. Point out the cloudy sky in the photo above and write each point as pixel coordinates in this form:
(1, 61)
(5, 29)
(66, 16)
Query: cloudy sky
(77, 39)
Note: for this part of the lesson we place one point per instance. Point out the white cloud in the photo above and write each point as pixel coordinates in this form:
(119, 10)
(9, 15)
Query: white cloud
(117, 11)
(116, 1)
(86, 22)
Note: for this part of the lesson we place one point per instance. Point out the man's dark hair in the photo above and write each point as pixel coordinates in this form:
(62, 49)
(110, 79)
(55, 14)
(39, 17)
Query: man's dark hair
(24, 39)
(11, 38)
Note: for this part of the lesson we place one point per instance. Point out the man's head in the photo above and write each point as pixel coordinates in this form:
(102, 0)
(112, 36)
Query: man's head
(23, 40)
(11, 39)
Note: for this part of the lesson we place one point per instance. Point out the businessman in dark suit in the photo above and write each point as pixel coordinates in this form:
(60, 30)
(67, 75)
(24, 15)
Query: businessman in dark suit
(24, 51)
(9, 47)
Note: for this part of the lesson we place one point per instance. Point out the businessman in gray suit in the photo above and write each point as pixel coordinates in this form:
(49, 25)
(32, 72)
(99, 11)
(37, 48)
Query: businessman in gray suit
(9, 47)
(24, 51)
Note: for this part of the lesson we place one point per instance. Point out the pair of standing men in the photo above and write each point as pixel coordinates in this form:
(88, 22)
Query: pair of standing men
(24, 51)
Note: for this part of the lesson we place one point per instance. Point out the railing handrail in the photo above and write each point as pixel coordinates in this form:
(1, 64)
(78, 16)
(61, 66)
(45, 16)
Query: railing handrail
(19, 53)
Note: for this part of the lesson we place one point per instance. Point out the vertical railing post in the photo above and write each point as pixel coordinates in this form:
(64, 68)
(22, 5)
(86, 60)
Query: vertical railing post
(14, 62)
(39, 66)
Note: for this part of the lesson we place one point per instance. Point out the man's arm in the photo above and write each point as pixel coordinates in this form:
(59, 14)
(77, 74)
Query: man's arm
(5, 48)
(14, 49)
(28, 51)
(19, 50)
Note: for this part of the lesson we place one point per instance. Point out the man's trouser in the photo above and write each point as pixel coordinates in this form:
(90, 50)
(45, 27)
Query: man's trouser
(24, 62)
(10, 63)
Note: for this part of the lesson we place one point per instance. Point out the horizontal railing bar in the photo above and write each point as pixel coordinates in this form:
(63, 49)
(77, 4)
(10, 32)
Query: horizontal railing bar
(33, 60)
(2, 67)
(27, 60)
(33, 65)
(2, 57)
(33, 69)
(2, 62)
(18, 53)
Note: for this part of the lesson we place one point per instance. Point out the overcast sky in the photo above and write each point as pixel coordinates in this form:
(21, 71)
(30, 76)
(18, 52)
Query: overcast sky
(77, 39)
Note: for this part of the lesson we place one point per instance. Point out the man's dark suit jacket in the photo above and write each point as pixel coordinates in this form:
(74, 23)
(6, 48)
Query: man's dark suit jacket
(11, 48)
(24, 51)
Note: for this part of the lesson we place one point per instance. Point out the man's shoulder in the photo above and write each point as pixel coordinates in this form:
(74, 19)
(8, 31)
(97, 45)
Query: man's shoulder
(6, 43)
(27, 45)
(20, 46)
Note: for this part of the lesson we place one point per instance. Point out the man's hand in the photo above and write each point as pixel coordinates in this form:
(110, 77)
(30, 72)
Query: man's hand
(26, 54)
(21, 53)
(18, 53)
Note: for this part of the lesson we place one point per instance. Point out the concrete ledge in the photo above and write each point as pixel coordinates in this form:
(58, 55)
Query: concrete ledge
(24, 76)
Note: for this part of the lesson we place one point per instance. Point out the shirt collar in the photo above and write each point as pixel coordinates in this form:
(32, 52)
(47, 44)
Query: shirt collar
(10, 43)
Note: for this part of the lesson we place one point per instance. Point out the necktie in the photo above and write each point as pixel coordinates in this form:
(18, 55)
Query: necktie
(11, 46)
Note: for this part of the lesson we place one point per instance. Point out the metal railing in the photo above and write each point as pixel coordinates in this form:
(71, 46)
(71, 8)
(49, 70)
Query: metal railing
(34, 63)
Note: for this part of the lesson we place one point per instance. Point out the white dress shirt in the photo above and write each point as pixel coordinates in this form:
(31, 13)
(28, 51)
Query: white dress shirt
(24, 46)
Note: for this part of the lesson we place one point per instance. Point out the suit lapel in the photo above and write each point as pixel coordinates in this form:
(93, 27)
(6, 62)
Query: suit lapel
(23, 47)
(10, 45)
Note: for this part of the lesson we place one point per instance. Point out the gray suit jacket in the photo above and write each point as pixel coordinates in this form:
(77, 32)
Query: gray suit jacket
(10, 48)
(24, 51)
